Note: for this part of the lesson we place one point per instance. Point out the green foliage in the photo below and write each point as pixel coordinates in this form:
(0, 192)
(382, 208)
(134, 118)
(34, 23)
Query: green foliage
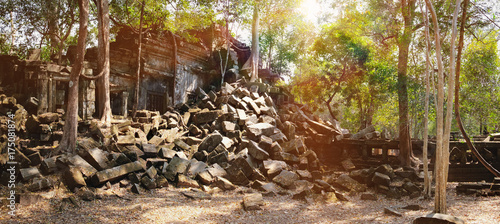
(480, 89)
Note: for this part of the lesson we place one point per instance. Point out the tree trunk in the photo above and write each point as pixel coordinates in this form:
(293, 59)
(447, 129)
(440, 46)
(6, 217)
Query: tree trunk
(457, 89)
(68, 141)
(427, 177)
(174, 66)
(103, 62)
(138, 71)
(440, 197)
(405, 149)
(54, 31)
(254, 74)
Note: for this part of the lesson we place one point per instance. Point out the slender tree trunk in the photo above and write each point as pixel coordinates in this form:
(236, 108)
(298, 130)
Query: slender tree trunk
(457, 89)
(405, 149)
(254, 74)
(440, 197)
(68, 141)
(103, 62)
(427, 177)
(138, 71)
(174, 66)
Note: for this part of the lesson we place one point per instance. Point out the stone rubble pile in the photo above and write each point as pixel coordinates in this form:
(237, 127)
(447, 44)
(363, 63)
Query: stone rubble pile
(234, 137)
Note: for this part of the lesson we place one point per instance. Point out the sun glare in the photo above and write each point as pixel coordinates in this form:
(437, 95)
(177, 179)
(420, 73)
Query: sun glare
(310, 9)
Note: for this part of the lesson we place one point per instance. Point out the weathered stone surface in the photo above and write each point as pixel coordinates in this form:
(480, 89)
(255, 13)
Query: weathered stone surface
(348, 165)
(97, 158)
(252, 201)
(152, 172)
(228, 126)
(150, 150)
(274, 167)
(126, 140)
(210, 142)
(40, 184)
(156, 140)
(161, 181)
(216, 170)
(224, 184)
(385, 169)
(330, 197)
(87, 169)
(148, 182)
(304, 174)
(438, 218)
(181, 144)
(197, 194)
(411, 188)
(47, 118)
(256, 152)
(29, 173)
(185, 181)
(116, 172)
(206, 117)
(166, 152)
(205, 177)
(256, 130)
(194, 130)
(49, 165)
(286, 178)
(73, 178)
(236, 176)
(177, 165)
(381, 179)
(349, 183)
(195, 167)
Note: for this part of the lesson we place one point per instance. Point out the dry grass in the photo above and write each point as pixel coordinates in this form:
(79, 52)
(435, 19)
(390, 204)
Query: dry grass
(169, 206)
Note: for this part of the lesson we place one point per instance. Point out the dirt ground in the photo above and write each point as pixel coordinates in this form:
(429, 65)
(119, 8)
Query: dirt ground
(168, 205)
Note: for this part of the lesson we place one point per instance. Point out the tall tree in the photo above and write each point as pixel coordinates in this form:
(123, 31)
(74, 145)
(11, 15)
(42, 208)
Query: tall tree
(68, 141)
(103, 62)
(443, 124)
(407, 11)
(254, 72)
(427, 177)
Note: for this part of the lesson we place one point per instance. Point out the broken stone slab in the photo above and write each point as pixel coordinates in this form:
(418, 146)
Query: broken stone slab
(47, 118)
(349, 183)
(286, 178)
(156, 140)
(256, 130)
(304, 174)
(125, 140)
(216, 170)
(385, 169)
(185, 181)
(161, 181)
(148, 182)
(197, 194)
(274, 167)
(210, 142)
(253, 201)
(348, 165)
(29, 173)
(194, 130)
(181, 144)
(236, 176)
(195, 167)
(381, 179)
(256, 152)
(49, 165)
(228, 126)
(204, 117)
(87, 169)
(224, 184)
(205, 177)
(177, 165)
(227, 142)
(152, 172)
(96, 157)
(116, 172)
(167, 152)
(73, 178)
(438, 218)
